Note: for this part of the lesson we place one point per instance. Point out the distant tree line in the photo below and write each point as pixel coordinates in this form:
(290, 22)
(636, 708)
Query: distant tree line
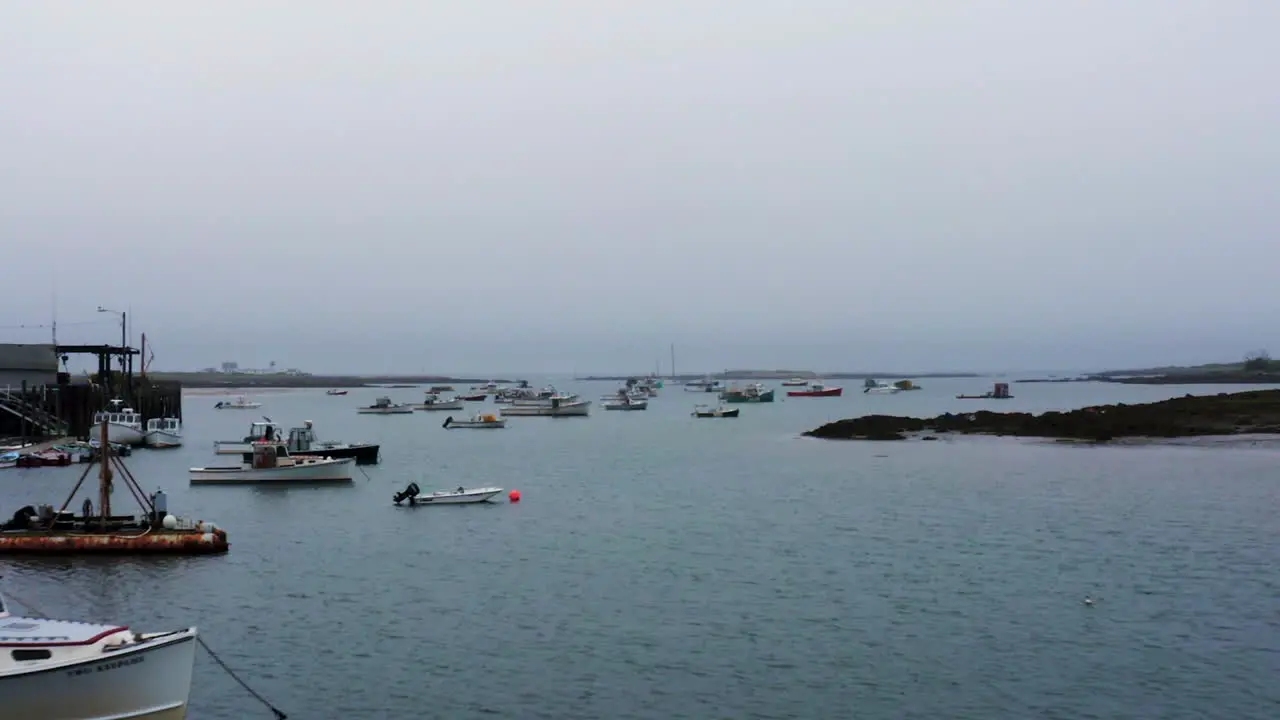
(1259, 361)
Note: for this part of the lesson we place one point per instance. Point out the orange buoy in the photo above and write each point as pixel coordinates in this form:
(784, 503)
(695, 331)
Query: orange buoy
(514, 496)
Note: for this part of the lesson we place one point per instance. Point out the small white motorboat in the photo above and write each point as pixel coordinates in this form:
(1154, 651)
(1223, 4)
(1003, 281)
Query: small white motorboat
(240, 403)
(272, 463)
(163, 433)
(434, 402)
(480, 421)
(384, 406)
(70, 669)
(625, 402)
(461, 496)
(558, 406)
(124, 424)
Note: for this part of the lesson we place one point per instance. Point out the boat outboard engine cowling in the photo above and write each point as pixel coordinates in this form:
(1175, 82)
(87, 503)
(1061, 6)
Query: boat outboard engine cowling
(409, 493)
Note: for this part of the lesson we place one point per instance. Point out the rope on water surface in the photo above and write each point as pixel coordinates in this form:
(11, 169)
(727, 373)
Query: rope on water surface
(279, 715)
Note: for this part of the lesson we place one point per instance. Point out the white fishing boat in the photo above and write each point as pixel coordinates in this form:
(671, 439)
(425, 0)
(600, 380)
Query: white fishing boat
(240, 403)
(625, 401)
(434, 402)
(384, 406)
(258, 431)
(480, 421)
(795, 382)
(163, 433)
(559, 406)
(62, 669)
(272, 463)
(124, 424)
(461, 496)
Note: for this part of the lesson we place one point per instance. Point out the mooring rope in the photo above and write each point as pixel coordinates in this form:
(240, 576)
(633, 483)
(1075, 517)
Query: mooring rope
(278, 713)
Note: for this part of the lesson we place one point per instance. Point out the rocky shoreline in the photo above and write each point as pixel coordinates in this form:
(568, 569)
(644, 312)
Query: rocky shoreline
(1243, 413)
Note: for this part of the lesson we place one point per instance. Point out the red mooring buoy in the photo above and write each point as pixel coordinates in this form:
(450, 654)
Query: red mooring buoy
(514, 496)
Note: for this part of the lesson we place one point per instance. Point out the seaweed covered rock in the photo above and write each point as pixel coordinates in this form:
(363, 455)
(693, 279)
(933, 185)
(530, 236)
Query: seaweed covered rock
(1255, 411)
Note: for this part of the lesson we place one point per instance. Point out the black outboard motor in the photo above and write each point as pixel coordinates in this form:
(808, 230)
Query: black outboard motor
(21, 519)
(409, 493)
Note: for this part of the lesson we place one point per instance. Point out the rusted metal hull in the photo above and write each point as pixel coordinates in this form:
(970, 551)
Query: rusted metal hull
(166, 542)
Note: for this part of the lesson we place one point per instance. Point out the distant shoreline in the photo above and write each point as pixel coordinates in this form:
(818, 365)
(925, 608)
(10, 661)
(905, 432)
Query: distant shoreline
(232, 381)
(776, 375)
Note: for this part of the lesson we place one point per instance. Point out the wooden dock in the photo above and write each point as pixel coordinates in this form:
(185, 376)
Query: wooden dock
(67, 410)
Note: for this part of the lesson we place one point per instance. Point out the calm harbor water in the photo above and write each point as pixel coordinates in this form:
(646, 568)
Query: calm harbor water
(665, 567)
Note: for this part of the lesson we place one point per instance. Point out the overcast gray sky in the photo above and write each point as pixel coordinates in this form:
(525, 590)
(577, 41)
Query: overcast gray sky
(504, 185)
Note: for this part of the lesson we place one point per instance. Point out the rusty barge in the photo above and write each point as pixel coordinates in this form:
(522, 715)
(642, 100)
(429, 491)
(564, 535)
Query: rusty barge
(45, 531)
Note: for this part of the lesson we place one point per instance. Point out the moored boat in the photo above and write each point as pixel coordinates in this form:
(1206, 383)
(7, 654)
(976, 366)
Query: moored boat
(479, 421)
(335, 391)
(461, 496)
(817, 390)
(62, 669)
(44, 530)
(871, 385)
(558, 406)
(272, 463)
(124, 424)
(706, 411)
(753, 393)
(624, 400)
(474, 397)
(434, 402)
(384, 406)
(303, 441)
(163, 433)
(240, 403)
(258, 430)
(795, 382)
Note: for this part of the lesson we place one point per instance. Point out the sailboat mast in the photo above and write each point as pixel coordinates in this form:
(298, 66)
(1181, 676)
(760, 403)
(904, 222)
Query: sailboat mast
(673, 361)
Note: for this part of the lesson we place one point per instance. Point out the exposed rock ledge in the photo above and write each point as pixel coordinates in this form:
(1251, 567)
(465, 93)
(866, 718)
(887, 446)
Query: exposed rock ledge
(1254, 412)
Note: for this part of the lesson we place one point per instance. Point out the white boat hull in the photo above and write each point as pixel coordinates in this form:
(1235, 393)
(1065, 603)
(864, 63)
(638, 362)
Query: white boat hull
(328, 470)
(453, 497)
(162, 439)
(123, 434)
(573, 409)
(238, 406)
(151, 680)
(633, 405)
(405, 410)
(450, 405)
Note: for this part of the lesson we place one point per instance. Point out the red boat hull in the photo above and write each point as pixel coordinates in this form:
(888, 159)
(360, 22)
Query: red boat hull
(827, 392)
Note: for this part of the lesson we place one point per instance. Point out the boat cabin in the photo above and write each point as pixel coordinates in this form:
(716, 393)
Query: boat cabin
(119, 416)
(262, 431)
(382, 402)
(169, 425)
(301, 438)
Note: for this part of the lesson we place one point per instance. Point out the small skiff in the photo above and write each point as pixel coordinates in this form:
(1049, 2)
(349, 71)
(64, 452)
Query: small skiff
(462, 496)
(481, 421)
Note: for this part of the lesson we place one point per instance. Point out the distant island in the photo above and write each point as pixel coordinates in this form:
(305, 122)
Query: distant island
(788, 374)
(1257, 368)
(1253, 412)
(303, 380)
